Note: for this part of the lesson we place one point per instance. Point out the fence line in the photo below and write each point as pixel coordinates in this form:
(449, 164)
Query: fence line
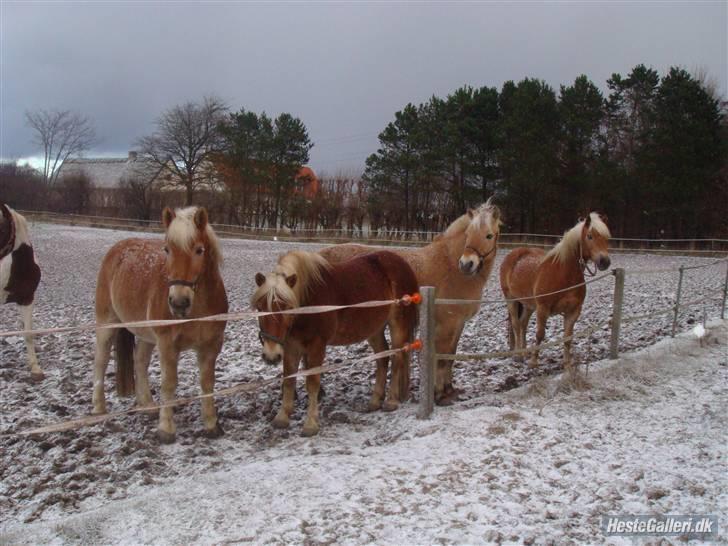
(72, 424)
(381, 235)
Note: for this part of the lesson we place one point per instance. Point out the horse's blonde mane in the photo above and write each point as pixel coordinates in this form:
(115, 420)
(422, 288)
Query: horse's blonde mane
(182, 232)
(569, 243)
(486, 211)
(308, 268)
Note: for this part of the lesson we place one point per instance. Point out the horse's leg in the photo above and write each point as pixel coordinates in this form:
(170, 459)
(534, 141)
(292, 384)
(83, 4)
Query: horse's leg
(446, 343)
(570, 319)
(511, 321)
(542, 316)
(142, 356)
(291, 358)
(315, 358)
(525, 318)
(206, 362)
(104, 339)
(168, 357)
(398, 386)
(378, 344)
(27, 313)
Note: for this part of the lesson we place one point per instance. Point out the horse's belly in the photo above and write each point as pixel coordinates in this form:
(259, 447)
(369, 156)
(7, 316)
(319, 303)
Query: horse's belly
(353, 326)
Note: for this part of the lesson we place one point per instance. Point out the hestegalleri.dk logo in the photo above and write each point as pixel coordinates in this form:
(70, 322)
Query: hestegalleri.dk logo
(694, 526)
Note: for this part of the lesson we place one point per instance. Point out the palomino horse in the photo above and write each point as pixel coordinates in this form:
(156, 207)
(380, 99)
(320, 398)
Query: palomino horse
(144, 279)
(457, 263)
(304, 279)
(19, 275)
(528, 272)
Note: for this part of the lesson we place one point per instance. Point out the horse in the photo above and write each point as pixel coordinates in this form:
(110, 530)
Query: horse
(527, 272)
(306, 278)
(457, 263)
(178, 278)
(19, 275)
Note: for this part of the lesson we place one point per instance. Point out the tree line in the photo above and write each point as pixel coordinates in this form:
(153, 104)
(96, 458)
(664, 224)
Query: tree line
(651, 154)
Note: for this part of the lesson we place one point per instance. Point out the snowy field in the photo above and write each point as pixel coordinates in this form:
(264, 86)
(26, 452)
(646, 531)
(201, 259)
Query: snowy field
(505, 464)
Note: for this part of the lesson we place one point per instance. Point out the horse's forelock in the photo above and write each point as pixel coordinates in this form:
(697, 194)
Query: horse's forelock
(598, 225)
(570, 241)
(182, 232)
(275, 290)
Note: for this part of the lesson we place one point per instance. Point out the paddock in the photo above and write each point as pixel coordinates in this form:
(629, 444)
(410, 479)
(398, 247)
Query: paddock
(58, 475)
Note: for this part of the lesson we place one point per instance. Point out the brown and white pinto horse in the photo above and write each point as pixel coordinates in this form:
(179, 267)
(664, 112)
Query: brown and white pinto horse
(528, 272)
(19, 275)
(457, 263)
(143, 279)
(305, 279)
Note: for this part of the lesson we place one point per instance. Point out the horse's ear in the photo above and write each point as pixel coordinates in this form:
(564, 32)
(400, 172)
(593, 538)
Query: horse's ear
(167, 216)
(259, 279)
(495, 213)
(291, 280)
(603, 217)
(201, 218)
(587, 221)
(471, 213)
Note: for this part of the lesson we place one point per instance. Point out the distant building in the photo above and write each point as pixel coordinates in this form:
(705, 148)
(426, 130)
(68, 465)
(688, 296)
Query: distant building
(106, 175)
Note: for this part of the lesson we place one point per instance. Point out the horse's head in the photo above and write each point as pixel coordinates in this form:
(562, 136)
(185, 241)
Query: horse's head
(481, 238)
(275, 293)
(595, 240)
(190, 246)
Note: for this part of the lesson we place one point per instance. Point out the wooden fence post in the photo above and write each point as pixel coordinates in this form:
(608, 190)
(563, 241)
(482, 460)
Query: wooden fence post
(617, 311)
(428, 354)
(725, 293)
(677, 301)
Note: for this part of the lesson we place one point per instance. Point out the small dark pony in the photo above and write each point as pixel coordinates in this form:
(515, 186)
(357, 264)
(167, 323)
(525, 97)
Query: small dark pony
(528, 272)
(306, 279)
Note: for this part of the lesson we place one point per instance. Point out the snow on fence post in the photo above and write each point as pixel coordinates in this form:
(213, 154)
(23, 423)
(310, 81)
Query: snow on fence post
(617, 311)
(725, 293)
(428, 355)
(677, 301)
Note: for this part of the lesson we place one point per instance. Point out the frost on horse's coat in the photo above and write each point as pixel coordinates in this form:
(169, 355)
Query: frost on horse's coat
(19, 274)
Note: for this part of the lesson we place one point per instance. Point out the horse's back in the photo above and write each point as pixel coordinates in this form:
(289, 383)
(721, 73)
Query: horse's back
(129, 274)
(519, 271)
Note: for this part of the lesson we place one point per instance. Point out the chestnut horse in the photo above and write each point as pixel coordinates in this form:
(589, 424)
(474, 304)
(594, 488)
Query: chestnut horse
(19, 275)
(305, 279)
(143, 279)
(528, 272)
(457, 263)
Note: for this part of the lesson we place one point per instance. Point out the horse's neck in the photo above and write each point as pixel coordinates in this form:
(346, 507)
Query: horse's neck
(570, 268)
(211, 285)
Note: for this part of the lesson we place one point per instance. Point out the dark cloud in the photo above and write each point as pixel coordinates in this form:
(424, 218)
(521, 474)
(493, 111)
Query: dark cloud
(343, 68)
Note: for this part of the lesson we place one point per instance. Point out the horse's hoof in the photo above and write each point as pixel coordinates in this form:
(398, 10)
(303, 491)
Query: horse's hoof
(99, 411)
(166, 437)
(374, 405)
(215, 432)
(37, 376)
(309, 431)
(390, 405)
(280, 423)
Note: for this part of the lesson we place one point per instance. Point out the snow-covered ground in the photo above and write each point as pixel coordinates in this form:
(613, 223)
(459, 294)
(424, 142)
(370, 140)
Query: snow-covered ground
(647, 437)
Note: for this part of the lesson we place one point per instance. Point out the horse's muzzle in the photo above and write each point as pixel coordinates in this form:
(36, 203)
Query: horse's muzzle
(468, 266)
(179, 306)
(603, 263)
(272, 361)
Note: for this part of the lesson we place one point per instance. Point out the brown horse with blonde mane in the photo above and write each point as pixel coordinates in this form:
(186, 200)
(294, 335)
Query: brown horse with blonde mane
(457, 263)
(178, 278)
(528, 272)
(306, 279)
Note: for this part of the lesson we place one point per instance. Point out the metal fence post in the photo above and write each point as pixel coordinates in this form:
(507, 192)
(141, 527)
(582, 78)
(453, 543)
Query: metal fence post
(428, 354)
(725, 293)
(617, 311)
(677, 301)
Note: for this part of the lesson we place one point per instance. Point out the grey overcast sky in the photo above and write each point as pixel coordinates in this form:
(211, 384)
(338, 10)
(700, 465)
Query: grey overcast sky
(343, 68)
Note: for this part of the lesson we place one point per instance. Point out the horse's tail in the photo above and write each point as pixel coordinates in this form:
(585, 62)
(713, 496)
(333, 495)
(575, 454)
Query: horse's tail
(124, 344)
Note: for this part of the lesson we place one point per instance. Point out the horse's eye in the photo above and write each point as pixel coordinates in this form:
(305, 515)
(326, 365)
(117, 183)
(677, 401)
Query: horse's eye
(589, 237)
(489, 236)
(200, 250)
(166, 249)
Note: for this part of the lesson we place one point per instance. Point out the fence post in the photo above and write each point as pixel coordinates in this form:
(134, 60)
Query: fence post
(428, 354)
(725, 293)
(617, 311)
(677, 301)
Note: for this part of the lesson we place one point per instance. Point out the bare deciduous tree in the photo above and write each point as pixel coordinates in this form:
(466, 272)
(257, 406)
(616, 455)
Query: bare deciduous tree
(61, 134)
(186, 138)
